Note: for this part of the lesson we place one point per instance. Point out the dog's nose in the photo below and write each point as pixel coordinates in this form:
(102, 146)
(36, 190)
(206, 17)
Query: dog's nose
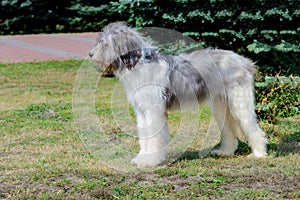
(91, 54)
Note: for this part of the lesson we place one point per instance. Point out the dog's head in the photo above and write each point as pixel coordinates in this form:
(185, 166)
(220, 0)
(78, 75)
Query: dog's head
(118, 46)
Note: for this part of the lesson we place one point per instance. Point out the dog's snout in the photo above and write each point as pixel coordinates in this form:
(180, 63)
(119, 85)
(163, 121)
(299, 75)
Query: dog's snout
(91, 54)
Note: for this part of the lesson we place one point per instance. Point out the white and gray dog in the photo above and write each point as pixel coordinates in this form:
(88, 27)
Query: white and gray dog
(155, 83)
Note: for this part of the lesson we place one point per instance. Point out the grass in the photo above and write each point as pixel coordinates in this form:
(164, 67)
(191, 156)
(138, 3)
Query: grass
(42, 155)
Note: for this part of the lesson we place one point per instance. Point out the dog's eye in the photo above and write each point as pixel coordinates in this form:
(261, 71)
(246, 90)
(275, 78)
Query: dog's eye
(125, 58)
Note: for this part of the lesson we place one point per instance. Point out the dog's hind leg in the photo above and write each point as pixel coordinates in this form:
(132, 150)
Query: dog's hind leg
(153, 136)
(228, 138)
(241, 104)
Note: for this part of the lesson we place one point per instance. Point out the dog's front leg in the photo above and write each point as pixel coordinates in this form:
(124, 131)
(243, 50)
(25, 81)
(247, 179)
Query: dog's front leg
(153, 136)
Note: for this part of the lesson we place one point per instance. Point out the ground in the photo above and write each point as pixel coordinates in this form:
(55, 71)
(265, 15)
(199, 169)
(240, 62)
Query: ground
(43, 157)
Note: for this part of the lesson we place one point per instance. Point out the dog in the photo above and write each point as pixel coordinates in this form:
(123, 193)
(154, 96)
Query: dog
(156, 83)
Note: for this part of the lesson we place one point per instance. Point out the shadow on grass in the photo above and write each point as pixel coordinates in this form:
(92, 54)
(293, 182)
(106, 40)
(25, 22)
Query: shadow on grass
(289, 144)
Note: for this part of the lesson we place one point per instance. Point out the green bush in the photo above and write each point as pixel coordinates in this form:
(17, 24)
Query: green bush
(266, 31)
(277, 97)
(37, 16)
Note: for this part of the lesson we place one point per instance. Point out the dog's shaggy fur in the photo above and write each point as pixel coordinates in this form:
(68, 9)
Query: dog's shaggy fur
(155, 83)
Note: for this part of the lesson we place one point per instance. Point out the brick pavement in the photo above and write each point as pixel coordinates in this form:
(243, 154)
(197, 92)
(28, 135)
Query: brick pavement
(43, 47)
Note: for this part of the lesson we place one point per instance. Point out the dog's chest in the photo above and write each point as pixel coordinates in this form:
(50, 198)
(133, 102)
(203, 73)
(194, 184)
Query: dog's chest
(145, 85)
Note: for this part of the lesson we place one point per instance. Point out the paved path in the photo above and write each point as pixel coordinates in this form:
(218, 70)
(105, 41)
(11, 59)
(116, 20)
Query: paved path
(42, 47)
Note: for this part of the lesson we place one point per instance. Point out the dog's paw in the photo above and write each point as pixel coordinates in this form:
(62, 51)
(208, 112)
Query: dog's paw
(257, 154)
(221, 152)
(148, 160)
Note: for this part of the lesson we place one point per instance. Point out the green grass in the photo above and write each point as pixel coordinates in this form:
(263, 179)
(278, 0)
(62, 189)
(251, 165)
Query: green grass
(43, 157)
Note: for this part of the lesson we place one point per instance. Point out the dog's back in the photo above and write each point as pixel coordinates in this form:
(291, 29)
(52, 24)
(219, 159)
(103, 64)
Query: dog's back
(221, 68)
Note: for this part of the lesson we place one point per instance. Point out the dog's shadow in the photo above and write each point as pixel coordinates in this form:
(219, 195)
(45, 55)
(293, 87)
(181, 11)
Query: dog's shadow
(243, 149)
(196, 154)
(289, 144)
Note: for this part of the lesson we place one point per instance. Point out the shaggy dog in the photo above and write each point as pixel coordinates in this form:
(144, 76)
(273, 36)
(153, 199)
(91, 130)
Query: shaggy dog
(155, 83)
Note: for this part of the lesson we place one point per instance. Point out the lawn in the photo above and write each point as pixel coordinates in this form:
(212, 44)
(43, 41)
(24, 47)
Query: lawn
(44, 156)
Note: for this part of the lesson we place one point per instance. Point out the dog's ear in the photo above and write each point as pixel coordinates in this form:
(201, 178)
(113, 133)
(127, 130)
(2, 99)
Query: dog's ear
(100, 37)
(130, 59)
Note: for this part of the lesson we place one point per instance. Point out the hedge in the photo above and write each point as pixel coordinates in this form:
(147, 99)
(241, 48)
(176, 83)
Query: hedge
(266, 31)
(38, 16)
(277, 97)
